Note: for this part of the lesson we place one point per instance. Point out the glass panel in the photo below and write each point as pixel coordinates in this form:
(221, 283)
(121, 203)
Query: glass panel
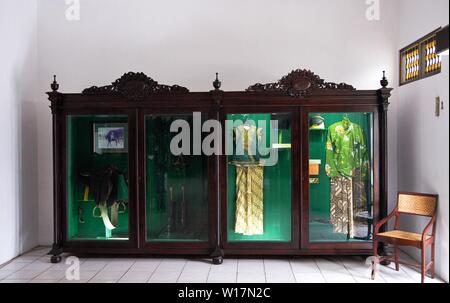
(259, 177)
(341, 177)
(97, 177)
(176, 186)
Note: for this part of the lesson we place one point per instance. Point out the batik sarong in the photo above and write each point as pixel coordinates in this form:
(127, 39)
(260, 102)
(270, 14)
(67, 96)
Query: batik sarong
(249, 199)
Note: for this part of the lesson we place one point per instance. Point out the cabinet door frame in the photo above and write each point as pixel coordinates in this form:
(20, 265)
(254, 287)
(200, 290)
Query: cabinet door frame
(337, 247)
(182, 247)
(98, 246)
(263, 247)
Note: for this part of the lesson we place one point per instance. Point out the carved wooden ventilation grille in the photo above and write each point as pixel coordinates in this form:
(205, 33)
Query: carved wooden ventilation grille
(432, 60)
(419, 60)
(412, 66)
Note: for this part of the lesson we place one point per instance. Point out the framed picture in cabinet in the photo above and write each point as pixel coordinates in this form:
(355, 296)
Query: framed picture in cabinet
(110, 138)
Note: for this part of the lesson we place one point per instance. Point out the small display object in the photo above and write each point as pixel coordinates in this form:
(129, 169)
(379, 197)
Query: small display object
(314, 167)
(110, 138)
(317, 122)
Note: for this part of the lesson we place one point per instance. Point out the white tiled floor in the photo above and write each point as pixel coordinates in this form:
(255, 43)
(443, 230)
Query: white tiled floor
(35, 267)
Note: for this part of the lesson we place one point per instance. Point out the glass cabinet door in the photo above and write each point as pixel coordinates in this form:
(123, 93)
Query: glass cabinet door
(97, 177)
(340, 177)
(176, 182)
(258, 177)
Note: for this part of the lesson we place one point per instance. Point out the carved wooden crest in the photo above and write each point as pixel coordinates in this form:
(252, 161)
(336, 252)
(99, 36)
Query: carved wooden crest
(299, 83)
(135, 86)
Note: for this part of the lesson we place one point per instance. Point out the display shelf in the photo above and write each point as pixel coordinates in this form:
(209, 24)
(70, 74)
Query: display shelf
(281, 146)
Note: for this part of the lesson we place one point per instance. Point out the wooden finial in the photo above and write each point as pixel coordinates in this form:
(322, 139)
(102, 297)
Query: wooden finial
(54, 86)
(217, 82)
(384, 82)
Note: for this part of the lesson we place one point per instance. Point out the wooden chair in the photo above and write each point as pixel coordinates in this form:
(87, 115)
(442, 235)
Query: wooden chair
(410, 204)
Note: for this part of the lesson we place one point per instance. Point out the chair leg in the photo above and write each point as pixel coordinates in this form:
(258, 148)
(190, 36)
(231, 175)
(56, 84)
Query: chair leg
(396, 253)
(433, 251)
(424, 263)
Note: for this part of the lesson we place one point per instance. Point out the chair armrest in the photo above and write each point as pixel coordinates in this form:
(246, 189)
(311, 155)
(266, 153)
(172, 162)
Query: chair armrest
(384, 221)
(427, 229)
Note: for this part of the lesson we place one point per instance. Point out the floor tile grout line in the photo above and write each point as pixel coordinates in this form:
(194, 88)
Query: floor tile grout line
(400, 272)
(402, 266)
(6, 263)
(346, 268)
(82, 262)
(33, 277)
(179, 276)
(104, 266)
(237, 270)
(209, 272)
(321, 273)
(45, 271)
(15, 271)
(6, 277)
(12, 260)
(292, 271)
(134, 262)
(23, 255)
(402, 269)
(348, 271)
(113, 271)
(380, 275)
(154, 270)
(264, 266)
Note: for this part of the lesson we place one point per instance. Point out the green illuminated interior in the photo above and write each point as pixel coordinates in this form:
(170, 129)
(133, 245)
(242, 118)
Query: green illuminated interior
(82, 225)
(174, 216)
(320, 228)
(276, 185)
(176, 186)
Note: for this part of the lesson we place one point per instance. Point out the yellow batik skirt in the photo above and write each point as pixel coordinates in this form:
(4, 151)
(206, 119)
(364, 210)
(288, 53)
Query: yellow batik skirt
(249, 199)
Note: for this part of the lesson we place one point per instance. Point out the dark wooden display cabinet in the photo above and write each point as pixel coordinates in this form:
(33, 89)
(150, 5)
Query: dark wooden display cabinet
(317, 189)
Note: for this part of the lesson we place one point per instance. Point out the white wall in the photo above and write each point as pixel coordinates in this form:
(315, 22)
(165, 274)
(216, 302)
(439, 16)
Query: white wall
(186, 42)
(423, 146)
(18, 122)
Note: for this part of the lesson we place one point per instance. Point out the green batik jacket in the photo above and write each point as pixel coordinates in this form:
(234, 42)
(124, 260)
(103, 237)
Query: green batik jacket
(346, 150)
